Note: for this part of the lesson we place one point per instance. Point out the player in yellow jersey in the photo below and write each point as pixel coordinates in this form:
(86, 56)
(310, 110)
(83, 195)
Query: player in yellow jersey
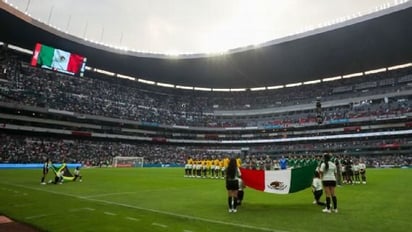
(216, 168)
(239, 162)
(204, 168)
(221, 168)
(225, 165)
(209, 167)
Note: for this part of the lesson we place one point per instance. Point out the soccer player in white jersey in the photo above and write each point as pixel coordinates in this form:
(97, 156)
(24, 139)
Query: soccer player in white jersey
(199, 168)
(356, 169)
(362, 171)
(188, 167)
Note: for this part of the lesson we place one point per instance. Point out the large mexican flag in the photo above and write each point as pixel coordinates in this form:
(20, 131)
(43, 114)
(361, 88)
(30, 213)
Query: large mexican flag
(57, 59)
(67, 175)
(279, 181)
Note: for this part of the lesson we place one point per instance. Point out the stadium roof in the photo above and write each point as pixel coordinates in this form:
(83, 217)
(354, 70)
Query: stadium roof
(381, 39)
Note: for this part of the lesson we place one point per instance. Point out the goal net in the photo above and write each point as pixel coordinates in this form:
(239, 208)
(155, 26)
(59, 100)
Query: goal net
(127, 161)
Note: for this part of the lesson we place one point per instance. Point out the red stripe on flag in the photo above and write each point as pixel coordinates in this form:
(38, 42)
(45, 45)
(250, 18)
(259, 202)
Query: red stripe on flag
(253, 178)
(36, 53)
(75, 63)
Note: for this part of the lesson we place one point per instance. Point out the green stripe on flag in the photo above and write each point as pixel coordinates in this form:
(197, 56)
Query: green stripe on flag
(46, 56)
(301, 178)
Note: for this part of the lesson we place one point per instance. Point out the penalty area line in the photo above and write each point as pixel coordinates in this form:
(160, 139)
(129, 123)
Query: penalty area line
(151, 210)
(108, 194)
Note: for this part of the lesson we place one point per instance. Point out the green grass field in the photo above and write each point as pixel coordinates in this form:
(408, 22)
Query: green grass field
(155, 199)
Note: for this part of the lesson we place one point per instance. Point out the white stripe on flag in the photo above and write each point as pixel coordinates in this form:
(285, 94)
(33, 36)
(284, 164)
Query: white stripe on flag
(60, 59)
(278, 181)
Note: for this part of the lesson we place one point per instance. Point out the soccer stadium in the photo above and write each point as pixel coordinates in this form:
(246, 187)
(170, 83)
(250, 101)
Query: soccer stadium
(133, 140)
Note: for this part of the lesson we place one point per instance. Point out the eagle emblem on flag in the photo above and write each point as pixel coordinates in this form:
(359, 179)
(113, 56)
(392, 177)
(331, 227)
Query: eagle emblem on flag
(277, 185)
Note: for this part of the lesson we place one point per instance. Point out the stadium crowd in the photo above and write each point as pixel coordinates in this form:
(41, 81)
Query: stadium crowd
(25, 149)
(30, 149)
(111, 97)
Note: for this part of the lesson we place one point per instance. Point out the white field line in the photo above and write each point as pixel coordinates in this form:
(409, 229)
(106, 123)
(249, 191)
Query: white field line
(151, 210)
(21, 205)
(81, 209)
(37, 216)
(107, 194)
(159, 225)
(132, 219)
(110, 213)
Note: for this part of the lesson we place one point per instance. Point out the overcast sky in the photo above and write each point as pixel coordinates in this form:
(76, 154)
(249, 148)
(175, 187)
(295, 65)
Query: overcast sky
(170, 26)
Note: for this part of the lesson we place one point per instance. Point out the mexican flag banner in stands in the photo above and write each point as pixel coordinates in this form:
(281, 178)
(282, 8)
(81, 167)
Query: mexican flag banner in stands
(57, 59)
(279, 181)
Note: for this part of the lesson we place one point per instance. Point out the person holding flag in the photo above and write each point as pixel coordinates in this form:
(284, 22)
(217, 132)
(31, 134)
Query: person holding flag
(327, 172)
(58, 179)
(240, 192)
(232, 184)
(77, 174)
(317, 189)
(46, 166)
